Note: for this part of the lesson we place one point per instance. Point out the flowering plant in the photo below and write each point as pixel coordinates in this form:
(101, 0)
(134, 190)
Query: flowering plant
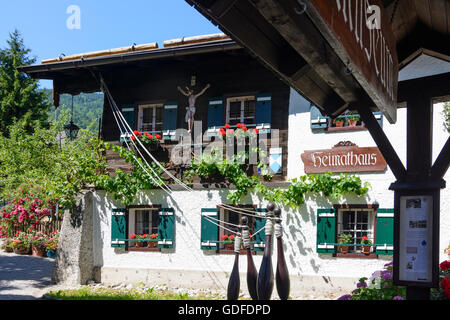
(51, 244)
(443, 293)
(147, 138)
(378, 287)
(228, 238)
(137, 236)
(345, 238)
(22, 240)
(39, 239)
(365, 240)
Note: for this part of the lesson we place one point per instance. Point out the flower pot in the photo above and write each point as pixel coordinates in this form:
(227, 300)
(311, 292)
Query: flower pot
(51, 254)
(366, 249)
(352, 123)
(8, 249)
(139, 244)
(339, 123)
(343, 249)
(22, 250)
(38, 251)
(152, 244)
(230, 246)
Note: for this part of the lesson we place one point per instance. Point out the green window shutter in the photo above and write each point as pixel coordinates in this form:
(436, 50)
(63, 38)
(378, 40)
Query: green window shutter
(118, 228)
(318, 121)
(128, 113)
(209, 231)
(385, 231)
(170, 121)
(166, 228)
(326, 230)
(263, 111)
(259, 240)
(215, 113)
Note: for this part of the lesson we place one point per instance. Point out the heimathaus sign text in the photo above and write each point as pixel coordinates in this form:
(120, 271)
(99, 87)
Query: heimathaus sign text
(360, 33)
(344, 158)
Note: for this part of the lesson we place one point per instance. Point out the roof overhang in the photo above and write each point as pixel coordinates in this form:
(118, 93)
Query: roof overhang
(341, 60)
(52, 70)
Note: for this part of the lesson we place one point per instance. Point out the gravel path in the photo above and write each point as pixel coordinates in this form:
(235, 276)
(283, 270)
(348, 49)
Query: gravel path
(24, 277)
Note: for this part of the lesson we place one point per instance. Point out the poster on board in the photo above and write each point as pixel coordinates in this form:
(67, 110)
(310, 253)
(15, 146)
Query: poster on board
(416, 238)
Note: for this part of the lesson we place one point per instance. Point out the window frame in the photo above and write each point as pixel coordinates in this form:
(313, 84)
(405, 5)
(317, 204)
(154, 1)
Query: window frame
(221, 214)
(241, 99)
(374, 208)
(153, 124)
(132, 210)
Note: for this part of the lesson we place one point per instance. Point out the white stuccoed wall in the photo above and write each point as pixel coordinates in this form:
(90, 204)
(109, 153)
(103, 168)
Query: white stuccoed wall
(188, 266)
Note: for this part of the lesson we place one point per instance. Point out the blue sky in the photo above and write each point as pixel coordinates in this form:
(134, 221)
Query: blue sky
(105, 24)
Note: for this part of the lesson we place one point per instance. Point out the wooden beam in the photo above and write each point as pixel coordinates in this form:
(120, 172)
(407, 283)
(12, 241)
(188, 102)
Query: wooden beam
(441, 164)
(434, 87)
(382, 141)
(419, 135)
(304, 37)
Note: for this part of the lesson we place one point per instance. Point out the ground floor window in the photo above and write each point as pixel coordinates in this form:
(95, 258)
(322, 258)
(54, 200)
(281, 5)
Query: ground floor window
(231, 218)
(143, 225)
(358, 223)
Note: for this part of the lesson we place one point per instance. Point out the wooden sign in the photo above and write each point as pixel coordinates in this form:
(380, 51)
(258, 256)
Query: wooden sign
(344, 157)
(360, 33)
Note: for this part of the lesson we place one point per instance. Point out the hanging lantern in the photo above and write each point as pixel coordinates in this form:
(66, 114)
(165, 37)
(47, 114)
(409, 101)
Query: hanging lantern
(71, 129)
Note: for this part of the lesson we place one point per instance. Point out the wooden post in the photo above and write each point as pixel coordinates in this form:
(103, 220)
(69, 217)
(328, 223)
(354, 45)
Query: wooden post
(282, 274)
(265, 276)
(252, 274)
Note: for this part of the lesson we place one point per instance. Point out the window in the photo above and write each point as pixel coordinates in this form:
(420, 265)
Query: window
(357, 223)
(233, 217)
(377, 224)
(212, 235)
(139, 221)
(151, 117)
(241, 110)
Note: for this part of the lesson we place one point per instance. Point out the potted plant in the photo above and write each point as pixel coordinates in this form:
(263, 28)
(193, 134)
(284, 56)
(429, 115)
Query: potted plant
(7, 245)
(338, 122)
(150, 140)
(229, 239)
(51, 244)
(447, 251)
(344, 238)
(139, 237)
(37, 245)
(154, 243)
(22, 243)
(366, 241)
(353, 120)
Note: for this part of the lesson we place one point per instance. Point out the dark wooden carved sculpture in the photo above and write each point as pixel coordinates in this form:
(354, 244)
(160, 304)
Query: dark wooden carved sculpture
(234, 283)
(265, 276)
(282, 273)
(252, 274)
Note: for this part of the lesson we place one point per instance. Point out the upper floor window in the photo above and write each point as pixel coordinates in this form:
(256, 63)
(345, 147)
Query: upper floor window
(151, 117)
(241, 110)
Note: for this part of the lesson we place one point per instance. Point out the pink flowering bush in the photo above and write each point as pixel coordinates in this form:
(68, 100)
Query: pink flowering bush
(25, 210)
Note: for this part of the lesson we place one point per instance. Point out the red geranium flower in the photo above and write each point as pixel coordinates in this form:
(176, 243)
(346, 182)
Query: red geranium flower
(158, 136)
(244, 128)
(255, 130)
(132, 236)
(137, 133)
(133, 138)
(222, 132)
(224, 237)
(227, 126)
(239, 125)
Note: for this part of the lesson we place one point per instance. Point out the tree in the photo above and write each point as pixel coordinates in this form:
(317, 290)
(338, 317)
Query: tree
(20, 96)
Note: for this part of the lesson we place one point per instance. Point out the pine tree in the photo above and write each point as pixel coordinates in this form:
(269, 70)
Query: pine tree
(20, 97)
